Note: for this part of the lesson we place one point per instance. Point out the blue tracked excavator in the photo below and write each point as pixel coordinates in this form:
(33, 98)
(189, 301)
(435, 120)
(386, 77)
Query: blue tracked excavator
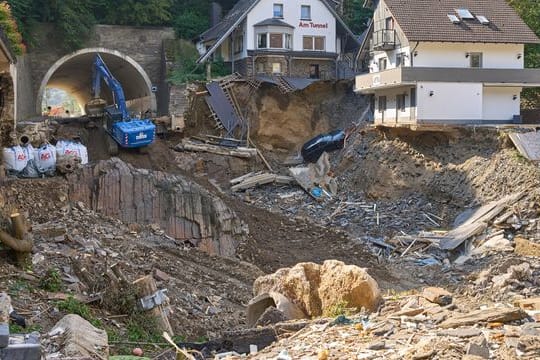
(127, 132)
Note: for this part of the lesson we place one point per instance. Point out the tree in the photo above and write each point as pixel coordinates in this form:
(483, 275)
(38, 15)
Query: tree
(529, 10)
(135, 12)
(189, 24)
(356, 16)
(75, 20)
(9, 26)
(22, 11)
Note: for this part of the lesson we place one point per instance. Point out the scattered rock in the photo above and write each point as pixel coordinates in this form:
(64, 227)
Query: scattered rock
(271, 316)
(477, 350)
(496, 314)
(526, 248)
(437, 295)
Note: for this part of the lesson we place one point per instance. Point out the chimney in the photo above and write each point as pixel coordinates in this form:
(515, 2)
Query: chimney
(215, 13)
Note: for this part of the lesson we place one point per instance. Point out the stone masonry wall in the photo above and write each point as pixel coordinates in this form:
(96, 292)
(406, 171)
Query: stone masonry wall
(300, 68)
(267, 65)
(143, 44)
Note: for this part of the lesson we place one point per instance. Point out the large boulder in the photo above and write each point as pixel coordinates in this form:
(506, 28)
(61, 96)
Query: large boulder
(349, 285)
(300, 284)
(318, 289)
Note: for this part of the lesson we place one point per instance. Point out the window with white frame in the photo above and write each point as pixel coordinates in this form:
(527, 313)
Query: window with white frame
(274, 41)
(288, 41)
(305, 12)
(276, 68)
(314, 43)
(278, 11)
(262, 41)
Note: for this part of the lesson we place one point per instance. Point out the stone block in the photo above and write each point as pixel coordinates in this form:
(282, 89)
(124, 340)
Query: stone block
(22, 347)
(4, 335)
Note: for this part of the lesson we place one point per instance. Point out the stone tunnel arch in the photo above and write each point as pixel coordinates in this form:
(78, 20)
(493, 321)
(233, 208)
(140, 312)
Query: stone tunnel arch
(72, 73)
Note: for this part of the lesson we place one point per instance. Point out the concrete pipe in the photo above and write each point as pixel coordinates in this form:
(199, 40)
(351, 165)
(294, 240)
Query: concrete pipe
(24, 139)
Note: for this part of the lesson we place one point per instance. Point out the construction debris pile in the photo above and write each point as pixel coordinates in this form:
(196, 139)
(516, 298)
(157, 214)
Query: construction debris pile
(430, 324)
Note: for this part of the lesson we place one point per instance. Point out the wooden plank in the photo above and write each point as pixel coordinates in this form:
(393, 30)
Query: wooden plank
(502, 315)
(254, 181)
(455, 237)
(477, 222)
(282, 179)
(244, 177)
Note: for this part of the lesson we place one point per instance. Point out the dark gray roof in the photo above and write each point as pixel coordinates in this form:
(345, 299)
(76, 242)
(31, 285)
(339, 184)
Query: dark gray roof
(427, 20)
(273, 22)
(239, 9)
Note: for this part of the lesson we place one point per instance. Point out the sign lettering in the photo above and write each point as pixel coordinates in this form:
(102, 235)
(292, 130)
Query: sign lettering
(312, 25)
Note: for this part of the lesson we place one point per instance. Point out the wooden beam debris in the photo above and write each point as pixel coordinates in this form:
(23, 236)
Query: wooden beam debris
(147, 287)
(495, 314)
(255, 179)
(477, 222)
(241, 152)
(21, 241)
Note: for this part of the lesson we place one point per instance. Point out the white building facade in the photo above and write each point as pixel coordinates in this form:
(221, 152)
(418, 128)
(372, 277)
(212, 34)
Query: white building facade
(297, 38)
(456, 69)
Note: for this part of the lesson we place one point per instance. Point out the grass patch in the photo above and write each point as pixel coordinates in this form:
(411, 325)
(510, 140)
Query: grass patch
(19, 286)
(52, 281)
(17, 329)
(74, 306)
(338, 309)
(142, 327)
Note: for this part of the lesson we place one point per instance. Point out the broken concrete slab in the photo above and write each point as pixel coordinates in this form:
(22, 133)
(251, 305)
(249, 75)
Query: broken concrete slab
(22, 347)
(258, 305)
(316, 177)
(474, 349)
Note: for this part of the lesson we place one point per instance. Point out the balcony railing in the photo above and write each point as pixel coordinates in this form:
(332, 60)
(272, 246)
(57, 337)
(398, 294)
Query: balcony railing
(384, 40)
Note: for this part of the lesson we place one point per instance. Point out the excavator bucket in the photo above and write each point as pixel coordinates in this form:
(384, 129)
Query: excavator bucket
(95, 107)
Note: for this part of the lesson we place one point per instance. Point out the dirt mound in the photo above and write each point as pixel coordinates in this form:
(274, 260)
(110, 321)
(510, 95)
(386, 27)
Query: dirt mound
(287, 121)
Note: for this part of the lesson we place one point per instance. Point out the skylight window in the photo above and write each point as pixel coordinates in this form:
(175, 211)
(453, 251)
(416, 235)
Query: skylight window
(483, 20)
(464, 14)
(453, 18)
